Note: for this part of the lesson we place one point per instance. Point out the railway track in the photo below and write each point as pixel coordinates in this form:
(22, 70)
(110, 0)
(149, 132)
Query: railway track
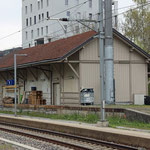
(66, 140)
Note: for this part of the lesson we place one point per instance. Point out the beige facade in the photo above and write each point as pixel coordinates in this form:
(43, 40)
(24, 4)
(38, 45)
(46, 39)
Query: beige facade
(61, 82)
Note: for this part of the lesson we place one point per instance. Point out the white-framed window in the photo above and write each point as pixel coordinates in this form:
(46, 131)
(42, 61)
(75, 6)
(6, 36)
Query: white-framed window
(42, 16)
(46, 29)
(26, 9)
(31, 8)
(39, 17)
(90, 16)
(77, 29)
(27, 22)
(78, 15)
(47, 2)
(65, 26)
(34, 19)
(47, 13)
(68, 13)
(32, 34)
(90, 3)
(77, 2)
(30, 21)
(38, 5)
(38, 32)
(41, 30)
(66, 2)
(41, 4)
(26, 35)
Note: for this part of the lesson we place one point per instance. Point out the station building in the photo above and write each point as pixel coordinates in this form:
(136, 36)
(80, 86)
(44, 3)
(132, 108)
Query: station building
(61, 69)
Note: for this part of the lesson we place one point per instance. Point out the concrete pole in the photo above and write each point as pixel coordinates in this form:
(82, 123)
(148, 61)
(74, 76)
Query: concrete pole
(109, 54)
(101, 51)
(15, 78)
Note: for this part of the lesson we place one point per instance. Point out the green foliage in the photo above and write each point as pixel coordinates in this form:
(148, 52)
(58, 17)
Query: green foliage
(136, 25)
(87, 118)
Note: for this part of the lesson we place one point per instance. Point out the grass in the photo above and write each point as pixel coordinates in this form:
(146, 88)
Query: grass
(89, 118)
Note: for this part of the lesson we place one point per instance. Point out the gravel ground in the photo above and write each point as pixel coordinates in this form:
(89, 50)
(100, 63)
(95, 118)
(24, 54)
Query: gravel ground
(7, 146)
(27, 141)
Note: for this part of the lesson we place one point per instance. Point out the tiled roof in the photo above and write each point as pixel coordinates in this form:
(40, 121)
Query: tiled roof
(53, 51)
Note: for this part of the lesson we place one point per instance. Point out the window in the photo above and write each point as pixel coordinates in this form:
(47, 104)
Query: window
(41, 4)
(90, 16)
(42, 16)
(78, 15)
(31, 34)
(90, 3)
(38, 32)
(77, 29)
(39, 17)
(47, 14)
(46, 29)
(65, 26)
(30, 7)
(26, 9)
(66, 2)
(41, 30)
(38, 5)
(30, 21)
(77, 2)
(26, 22)
(47, 2)
(34, 19)
(68, 13)
(26, 35)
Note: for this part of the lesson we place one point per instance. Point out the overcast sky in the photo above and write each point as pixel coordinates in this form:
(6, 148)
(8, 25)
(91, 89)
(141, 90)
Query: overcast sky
(10, 21)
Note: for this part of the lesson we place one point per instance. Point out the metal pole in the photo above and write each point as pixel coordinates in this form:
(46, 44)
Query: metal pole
(15, 78)
(109, 54)
(101, 50)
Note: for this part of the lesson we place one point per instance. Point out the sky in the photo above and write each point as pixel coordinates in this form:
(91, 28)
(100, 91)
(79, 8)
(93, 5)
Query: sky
(10, 22)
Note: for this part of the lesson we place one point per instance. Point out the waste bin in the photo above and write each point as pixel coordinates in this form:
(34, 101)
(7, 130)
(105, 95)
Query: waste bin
(87, 96)
(147, 100)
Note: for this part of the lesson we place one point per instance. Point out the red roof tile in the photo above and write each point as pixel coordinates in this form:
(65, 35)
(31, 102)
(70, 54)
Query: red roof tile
(50, 51)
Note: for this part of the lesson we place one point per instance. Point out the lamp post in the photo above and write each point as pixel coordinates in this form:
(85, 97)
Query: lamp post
(15, 79)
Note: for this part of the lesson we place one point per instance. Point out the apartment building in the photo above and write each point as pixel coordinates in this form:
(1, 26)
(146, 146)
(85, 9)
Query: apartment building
(39, 22)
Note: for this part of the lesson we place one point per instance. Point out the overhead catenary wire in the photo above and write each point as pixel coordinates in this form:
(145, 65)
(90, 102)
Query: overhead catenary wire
(145, 4)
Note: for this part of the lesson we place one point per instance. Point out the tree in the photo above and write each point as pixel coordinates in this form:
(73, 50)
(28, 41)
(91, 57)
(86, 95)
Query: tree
(137, 24)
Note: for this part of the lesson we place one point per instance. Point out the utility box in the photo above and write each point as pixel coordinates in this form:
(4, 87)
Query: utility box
(138, 99)
(87, 96)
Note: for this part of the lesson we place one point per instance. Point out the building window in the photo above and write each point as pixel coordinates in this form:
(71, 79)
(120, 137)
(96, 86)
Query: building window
(77, 29)
(39, 17)
(38, 5)
(47, 2)
(47, 14)
(34, 19)
(78, 15)
(30, 7)
(41, 30)
(42, 16)
(90, 16)
(68, 13)
(27, 22)
(46, 29)
(26, 35)
(66, 2)
(31, 34)
(38, 32)
(65, 26)
(90, 3)
(26, 9)
(30, 21)
(41, 4)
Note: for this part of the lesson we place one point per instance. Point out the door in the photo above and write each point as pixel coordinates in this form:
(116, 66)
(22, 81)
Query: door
(56, 94)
